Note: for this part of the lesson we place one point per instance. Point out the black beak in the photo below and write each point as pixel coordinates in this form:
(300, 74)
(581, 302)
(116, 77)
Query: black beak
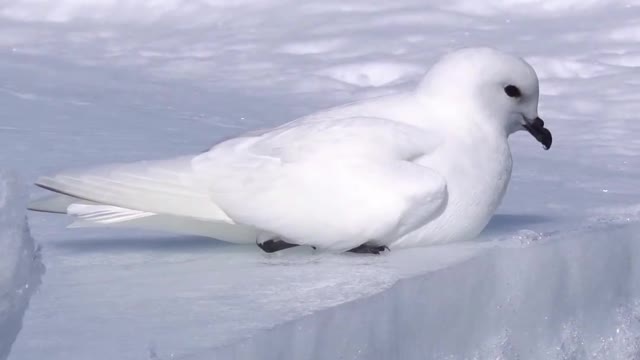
(542, 134)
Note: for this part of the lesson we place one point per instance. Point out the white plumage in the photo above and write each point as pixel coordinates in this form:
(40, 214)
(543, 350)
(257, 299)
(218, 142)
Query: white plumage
(413, 169)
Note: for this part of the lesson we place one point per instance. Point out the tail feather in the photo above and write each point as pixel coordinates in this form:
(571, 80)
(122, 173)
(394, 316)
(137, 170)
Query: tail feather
(164, 187)
(105, 214)
(163, 195)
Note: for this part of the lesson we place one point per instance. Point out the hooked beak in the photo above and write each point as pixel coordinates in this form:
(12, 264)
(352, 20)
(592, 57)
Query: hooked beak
(537, 129)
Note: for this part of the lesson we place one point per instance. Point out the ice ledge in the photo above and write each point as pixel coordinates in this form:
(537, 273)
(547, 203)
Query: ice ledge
(20, 266)
(569, 297)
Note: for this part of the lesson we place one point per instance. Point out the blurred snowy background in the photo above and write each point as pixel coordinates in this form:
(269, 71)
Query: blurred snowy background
(554, 276)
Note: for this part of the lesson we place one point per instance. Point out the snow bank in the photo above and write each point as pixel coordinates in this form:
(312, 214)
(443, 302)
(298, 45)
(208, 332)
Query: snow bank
(573, 297)
(20, 266)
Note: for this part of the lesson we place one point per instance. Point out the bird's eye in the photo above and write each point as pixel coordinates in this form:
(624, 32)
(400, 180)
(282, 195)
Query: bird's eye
(512, 91)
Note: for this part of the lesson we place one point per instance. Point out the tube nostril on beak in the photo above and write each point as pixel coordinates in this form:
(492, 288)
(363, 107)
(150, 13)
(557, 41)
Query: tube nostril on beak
(542, 134)
(538, 122)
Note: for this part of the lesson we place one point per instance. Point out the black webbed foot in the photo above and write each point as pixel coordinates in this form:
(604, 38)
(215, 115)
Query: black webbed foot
(369, 249)
(273, 245)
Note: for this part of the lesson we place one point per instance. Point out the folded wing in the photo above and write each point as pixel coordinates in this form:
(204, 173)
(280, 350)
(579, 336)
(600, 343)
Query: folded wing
(332, 184)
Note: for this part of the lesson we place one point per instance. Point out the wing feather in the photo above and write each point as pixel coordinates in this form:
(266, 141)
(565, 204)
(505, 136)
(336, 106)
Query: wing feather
(333, 184)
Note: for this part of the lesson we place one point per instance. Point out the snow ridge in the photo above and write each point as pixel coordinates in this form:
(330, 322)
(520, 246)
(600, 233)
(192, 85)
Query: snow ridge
(20, 265)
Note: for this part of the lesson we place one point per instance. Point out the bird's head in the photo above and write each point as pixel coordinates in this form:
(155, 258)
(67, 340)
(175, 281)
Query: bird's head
(503, 87)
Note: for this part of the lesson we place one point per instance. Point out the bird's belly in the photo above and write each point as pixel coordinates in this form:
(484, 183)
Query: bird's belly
(470, 204)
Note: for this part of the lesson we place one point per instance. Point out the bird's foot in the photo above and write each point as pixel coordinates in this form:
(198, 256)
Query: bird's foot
(369, 249)
(274, 245)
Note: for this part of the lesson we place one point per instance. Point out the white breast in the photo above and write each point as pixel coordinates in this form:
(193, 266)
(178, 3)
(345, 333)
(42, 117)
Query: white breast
(477, 179)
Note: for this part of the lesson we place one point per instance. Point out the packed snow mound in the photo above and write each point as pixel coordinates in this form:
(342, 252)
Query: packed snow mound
(20, 266)
(373, 74)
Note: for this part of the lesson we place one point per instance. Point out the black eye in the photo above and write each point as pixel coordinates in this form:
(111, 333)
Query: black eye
(512, 91)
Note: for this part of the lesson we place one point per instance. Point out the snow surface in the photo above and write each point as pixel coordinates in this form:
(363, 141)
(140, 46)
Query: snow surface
(20, 265)
(554, 276)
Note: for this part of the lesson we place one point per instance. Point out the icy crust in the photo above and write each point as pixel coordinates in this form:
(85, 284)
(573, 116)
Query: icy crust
(570, 298)
(20, 266)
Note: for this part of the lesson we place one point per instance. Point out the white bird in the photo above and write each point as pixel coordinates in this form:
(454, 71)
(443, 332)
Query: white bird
(425, 167)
